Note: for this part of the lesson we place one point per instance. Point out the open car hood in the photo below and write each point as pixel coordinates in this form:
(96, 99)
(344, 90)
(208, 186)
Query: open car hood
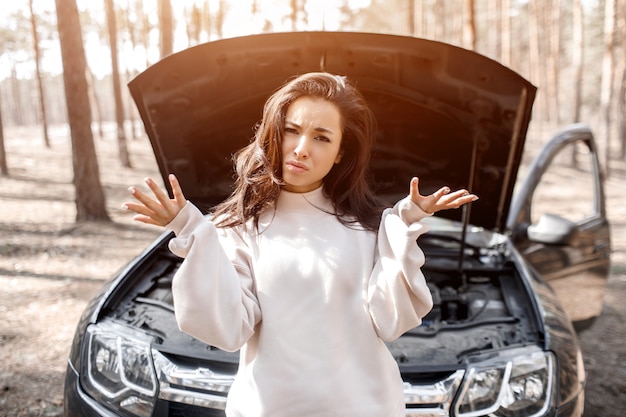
(445, 114)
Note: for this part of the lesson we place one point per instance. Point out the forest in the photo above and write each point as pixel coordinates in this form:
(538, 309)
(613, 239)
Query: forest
(62, 59)
(71, 138)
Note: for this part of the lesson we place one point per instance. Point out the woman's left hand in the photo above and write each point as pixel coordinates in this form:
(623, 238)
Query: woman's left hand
(442, 199)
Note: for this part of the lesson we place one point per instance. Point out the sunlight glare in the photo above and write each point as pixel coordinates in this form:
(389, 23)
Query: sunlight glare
(271, 15)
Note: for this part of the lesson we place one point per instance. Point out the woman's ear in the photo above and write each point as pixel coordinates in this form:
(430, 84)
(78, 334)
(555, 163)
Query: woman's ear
(339, 156)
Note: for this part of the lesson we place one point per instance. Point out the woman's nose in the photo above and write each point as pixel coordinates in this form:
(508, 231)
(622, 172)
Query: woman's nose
(301, 150)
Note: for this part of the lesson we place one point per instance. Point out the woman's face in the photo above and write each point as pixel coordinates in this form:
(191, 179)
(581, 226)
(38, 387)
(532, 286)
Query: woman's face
(311, 143)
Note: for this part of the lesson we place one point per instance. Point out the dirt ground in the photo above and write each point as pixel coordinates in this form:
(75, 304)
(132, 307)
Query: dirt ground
(50, 267)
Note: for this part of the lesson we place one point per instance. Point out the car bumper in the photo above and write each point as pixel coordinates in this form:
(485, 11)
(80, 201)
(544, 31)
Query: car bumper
(76, 402)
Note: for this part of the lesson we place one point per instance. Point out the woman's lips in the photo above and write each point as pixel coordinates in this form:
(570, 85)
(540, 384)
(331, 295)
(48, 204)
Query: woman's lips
(295, 166)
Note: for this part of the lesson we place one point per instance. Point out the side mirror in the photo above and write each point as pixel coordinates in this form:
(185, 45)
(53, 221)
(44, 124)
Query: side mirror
(552, 230)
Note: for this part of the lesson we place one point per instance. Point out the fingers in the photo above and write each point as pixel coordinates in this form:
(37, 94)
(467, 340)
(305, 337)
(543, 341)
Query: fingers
(160, 209)
(146, 219)
(451, 196)
(142, 197)
(440, 193)
(456, 199)
(414, 191)
(442, 199)
(414, 188)
(470, 198)
(138, 208)
(177, 191)
(162, 198)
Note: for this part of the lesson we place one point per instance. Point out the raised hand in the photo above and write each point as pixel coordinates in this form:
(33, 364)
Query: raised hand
(441, 199)
(161, 210)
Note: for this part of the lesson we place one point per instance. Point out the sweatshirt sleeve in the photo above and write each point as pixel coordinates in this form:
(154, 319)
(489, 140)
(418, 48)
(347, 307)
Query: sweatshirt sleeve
(213, 290)
(398, 296)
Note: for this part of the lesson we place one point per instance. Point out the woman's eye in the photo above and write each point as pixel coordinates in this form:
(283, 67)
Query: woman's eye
(323, 139)
(291, 130)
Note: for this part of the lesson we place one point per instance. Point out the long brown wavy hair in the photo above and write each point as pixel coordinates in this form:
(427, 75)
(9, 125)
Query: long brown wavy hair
(259, 165)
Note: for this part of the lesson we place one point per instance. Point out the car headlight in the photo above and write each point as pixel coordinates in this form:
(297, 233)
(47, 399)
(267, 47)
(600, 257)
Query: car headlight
(118, 371)
(519, 385)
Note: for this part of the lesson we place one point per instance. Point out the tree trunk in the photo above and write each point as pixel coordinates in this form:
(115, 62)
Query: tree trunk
(542, 15)
(90, 200)
(96, 101)
(4, 168)
(294, 14)
(456, 31)
(621, 100)
(219, 19)
(606, 87)
(166, 28)
(420, 18)
(533, 42)
(135, 35)
(42, 100)
(18, 111)
(194, 25)
(117, 89)
(577, 58)
(411, 17)
(622, 110)
(469, 26)
(554, 61)
(132, 114)
(429, 21)
(206, 19)
(577, 66)
(439, 23)
(146, 27)
(494, 29)
(505, 41)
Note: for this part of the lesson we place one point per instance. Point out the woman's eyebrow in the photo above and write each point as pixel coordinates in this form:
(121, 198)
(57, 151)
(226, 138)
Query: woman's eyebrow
(317, 129)
(323, 129)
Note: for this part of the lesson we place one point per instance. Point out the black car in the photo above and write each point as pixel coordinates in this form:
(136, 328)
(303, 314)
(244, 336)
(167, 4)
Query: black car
(509, 275)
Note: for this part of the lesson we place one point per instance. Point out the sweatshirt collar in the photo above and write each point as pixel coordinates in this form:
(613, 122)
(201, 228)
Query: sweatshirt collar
(304, 202)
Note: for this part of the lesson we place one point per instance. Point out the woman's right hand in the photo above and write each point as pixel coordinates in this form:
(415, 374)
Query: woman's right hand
(161, 210)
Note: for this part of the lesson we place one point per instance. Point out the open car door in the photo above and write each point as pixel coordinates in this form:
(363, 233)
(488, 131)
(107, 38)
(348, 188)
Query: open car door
(558, 222)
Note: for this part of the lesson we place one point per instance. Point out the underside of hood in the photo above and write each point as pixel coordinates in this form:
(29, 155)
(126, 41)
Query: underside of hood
(445, 114)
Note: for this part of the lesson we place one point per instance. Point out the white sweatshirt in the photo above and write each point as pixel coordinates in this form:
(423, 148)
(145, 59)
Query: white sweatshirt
(308, 301)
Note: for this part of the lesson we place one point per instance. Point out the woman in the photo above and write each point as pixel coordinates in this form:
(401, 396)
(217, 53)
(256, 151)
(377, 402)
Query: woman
(302, 268)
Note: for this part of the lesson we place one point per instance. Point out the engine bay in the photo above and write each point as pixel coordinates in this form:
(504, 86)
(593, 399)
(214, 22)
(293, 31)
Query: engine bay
(476, 308)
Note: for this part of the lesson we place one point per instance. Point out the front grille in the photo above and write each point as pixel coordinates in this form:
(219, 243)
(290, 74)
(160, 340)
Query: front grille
(190, 390)
(185, 410)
